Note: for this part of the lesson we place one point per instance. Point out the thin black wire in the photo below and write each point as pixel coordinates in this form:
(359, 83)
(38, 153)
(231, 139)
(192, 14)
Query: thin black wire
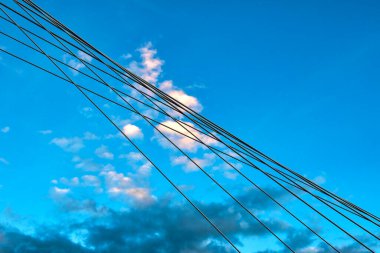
(355, 238)
(160, 123)
(200, 141)
(184, 153)
(344, 230)
(342, 203)
(115, 102)
(102, 70)
(137, 148)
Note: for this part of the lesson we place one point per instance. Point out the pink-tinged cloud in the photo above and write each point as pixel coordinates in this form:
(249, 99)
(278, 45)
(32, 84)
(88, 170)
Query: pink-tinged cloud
(133, 132)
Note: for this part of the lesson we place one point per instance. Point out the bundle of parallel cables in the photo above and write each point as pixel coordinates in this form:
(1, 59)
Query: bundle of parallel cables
(32, 28)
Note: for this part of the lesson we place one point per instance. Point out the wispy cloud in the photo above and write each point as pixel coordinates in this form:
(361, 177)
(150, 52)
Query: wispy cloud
(75, 63)
(150, 69)
(150, 66)
(45, 132)
(5, 129)
(189, 166)
(86, 164)
(103, 152)
(126, 56)
(73, 144)
(196, 86)
(3, 161)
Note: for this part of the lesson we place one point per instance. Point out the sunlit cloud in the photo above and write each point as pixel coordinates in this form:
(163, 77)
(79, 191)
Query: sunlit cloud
(150, 66)
(133, 131)
(176, 133)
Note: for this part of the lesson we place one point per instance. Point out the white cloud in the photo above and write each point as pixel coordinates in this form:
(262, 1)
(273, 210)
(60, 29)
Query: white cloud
(196, 86)
(189, 101)
(150, 67)
(124, 187)
(69, 144)
(126, 56)
(189, 166)
(178, 94)
(5, 129)
(87, 112)
(132, 131)
(179, 139)
(228, 171)
(166, 85)
(45, 132)
(141, 195)
(230, 175)
(59, 192)
(83, 56)
(86, 164)
(320, 180)
(103, 152)
(145, 169)
(134, 156)
(73, 144)
(90, 136)
(116, 180)
(69, 182)
(75, 63)
(90, 180)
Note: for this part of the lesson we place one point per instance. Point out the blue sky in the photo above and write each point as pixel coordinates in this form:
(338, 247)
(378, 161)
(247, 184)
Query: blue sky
(298, 80)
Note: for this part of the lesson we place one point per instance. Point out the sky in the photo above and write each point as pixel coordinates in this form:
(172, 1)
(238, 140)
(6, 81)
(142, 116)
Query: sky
(296, 79)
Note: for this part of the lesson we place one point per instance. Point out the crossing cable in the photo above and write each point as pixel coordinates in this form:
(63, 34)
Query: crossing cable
(354, 238)
(136, 147)
(197, 139)
(354, 223)
(343, 203)
(160, 123)
(96, 67)
(155, 121)
(83, 88)
(88, 62)
(80, 59)
(179, 149)
(186, 154)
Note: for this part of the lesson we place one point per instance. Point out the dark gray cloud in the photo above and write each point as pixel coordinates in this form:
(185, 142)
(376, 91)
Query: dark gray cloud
(164, 226)
(14, 241)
